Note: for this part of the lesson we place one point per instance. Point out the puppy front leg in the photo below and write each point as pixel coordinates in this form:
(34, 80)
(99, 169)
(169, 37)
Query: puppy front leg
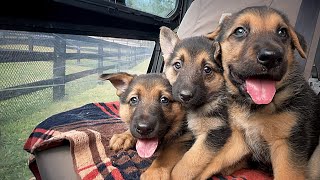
(122, 141)
(162, 166)
(228, 159)
(283, 168)
(314, 165)
(194, 161)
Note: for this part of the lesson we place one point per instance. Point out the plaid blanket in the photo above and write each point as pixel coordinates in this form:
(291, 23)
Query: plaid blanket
(88, 129)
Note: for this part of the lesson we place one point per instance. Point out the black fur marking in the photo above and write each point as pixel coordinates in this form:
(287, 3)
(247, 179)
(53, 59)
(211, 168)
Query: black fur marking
(220, 112)
(143, 79)
(258, 10)
(303, 140)
(217, 138)
(195, 45)
(304, 136)
(189, 144)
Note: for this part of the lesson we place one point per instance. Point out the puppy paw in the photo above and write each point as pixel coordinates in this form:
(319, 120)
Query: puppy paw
(156, 173)
(122, 141)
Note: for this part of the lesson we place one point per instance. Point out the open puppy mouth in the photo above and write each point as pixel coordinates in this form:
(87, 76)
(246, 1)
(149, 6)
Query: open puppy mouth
(147, 147)
(147, 140)
(261, 87)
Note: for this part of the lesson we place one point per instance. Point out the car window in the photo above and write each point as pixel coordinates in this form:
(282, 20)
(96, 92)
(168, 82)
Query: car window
(162, 8)
(44, 74)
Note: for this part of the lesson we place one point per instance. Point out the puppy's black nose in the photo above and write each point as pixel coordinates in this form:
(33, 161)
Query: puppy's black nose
(185, 95)
(145, 128)
(269, 57)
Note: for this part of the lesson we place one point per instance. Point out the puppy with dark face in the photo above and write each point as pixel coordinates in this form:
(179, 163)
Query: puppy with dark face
(272, 103)
(198, 84)
(155, 120)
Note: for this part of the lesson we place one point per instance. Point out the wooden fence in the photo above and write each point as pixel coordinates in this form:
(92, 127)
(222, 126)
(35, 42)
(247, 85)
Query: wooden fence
(65, 48)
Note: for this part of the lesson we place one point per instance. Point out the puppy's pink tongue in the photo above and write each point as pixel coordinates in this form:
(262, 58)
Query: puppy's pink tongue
(261, 91)
(146, 147)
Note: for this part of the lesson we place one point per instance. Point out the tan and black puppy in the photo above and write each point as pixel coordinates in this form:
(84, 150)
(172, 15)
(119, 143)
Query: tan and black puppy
(155, 120)
(272, 103)
(199, 85)
(314, 165)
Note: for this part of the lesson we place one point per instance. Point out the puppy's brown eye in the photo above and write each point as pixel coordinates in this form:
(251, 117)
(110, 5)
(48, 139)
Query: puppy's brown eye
(177, 65)
(164, 100)
(282, 32)
(240, 32)
(134, 101)
(207, 70)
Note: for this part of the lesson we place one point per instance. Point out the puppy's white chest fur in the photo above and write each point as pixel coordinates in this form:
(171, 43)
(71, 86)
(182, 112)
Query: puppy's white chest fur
(252, 133)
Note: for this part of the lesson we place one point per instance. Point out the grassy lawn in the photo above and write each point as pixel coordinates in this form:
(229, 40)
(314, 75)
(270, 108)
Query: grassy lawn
(14, 130)
(24, 72)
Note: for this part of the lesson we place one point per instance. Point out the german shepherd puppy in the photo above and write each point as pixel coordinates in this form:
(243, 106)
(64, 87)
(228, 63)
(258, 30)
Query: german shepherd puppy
(155, 120)
(199, 85)
(314, 164)
(272, 104)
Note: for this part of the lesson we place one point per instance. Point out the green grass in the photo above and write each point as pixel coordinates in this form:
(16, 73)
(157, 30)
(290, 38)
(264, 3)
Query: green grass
(14, 133)
(14, 130)
(13, 74)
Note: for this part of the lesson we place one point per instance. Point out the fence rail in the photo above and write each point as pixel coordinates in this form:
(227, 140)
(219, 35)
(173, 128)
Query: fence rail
(17, 47)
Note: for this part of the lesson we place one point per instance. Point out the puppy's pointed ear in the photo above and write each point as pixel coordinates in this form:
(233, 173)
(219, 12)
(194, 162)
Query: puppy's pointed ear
(120, 81)
(213, 35)
(168, 40)
(217, 53)
(298, 42)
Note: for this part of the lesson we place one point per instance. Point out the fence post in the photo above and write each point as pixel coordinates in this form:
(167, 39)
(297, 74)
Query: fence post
(119, 58)
(78, 52)
(100, 59)
(30, 42)
(135, 55)
(131, 57)
(59, 69)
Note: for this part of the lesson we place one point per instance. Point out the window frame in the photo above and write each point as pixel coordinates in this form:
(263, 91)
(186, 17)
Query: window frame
(85, 17)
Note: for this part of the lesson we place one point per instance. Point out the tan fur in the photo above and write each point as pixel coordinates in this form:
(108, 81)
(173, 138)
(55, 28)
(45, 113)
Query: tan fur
(214, 34)
(200, 122)
(168, 157)
(255, 21)
(229, 157)
(176, 114)
(125, 112)
(296, 43)
(194, 161)
(314, 165)
(264, 124)
(171, 74)
(203, 126)
(274, 126)
(202, 55)
(149, 92)
(282, 166)
(122, 141)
